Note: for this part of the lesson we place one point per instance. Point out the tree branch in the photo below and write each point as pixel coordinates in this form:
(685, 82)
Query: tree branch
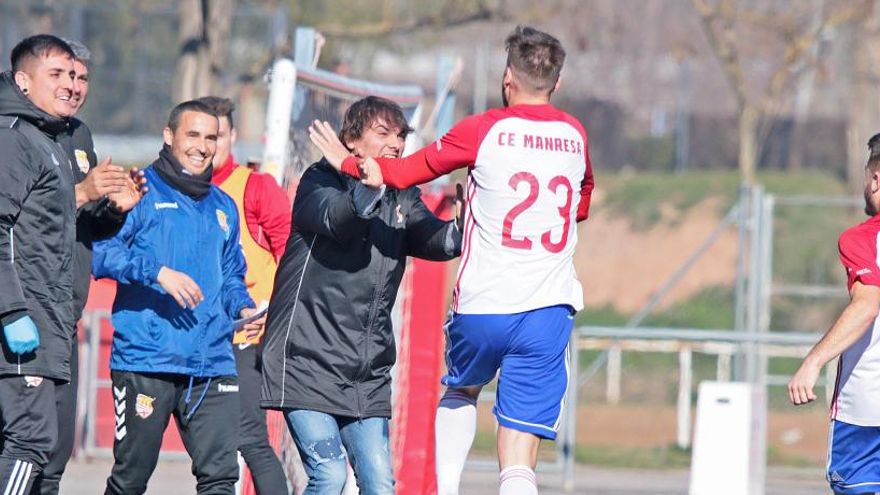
(388, 27)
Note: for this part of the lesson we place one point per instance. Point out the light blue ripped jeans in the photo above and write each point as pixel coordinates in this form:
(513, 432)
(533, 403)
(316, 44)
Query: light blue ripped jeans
(320, 438)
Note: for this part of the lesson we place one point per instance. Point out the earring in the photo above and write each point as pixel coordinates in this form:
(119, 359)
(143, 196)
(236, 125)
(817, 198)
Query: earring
(24, 90)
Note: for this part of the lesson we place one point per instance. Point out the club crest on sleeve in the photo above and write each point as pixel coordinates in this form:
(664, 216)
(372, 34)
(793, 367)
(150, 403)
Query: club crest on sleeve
(144, 406)
(223, 222)
(82, 161)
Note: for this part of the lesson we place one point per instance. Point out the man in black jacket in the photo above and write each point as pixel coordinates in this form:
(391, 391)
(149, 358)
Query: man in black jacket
(104, 195)
(329, 344)
(37, 232)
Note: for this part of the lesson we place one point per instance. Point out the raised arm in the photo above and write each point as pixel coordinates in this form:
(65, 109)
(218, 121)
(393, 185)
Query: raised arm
(456, 149)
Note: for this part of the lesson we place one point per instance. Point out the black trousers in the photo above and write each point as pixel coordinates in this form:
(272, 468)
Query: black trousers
(144, 404)
(254, 444)
(49, 481)
(30, 430)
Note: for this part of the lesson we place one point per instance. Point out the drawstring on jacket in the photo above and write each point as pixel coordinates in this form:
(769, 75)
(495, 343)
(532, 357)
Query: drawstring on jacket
(189, 396)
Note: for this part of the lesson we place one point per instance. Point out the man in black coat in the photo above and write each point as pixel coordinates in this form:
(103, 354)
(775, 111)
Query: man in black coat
(329, 344)
(37, 232)
(104, 195)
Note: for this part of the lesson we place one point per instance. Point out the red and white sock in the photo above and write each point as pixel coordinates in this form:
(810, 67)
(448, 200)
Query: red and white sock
(518, 480)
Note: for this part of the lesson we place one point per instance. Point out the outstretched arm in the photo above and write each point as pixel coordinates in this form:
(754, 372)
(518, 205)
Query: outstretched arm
(853, 322)
(456, 149)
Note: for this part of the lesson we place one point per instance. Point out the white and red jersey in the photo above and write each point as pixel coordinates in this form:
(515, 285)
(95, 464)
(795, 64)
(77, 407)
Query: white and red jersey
(529, 183)
(857, 391)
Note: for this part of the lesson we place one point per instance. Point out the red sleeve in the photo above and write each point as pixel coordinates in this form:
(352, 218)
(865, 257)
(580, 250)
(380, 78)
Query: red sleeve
(267, 211)
(456, 149)
(587, 184)
(858, 254)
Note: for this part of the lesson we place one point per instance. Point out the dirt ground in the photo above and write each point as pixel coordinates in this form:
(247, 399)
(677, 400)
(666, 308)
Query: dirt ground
(794, 434)
(638, 263)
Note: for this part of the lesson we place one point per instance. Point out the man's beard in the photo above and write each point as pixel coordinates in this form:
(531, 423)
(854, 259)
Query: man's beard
(870, 209)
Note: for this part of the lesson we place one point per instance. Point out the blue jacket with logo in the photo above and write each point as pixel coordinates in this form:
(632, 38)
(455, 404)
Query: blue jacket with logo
(153, 334)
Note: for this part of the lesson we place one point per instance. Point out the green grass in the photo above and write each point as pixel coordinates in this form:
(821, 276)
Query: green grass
(710, 308)
(638, 196)
(660, 457)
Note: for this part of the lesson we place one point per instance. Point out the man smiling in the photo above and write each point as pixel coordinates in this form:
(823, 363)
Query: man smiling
(37, 223)
(180, 270)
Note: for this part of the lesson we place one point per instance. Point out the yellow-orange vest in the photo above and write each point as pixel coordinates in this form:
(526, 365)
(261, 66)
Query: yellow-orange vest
(261, 264)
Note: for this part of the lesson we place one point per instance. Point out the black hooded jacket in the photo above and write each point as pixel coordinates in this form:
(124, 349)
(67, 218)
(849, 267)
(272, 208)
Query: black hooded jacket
(329, 344)
(37, 233)
(95, 220)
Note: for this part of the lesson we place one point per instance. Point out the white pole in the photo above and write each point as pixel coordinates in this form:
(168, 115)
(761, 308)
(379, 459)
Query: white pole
(612, 384)
(723, 371)
(276, 154)
(685, 377)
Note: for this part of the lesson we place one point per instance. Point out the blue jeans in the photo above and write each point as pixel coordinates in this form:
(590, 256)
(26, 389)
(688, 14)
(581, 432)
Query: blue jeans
(320, 438)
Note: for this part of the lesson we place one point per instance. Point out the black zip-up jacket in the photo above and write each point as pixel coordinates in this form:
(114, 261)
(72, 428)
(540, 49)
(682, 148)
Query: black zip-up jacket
(95, 220)
(37, 233)
(329, 343)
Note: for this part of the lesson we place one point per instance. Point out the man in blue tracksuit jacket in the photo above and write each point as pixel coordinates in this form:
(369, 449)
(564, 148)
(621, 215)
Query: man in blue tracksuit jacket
(181, 271)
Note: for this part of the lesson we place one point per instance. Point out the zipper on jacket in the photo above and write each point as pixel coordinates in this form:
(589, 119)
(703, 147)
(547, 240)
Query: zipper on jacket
(374, 305)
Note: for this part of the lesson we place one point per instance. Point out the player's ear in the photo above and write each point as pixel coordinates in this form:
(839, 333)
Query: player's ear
(23, 81)
(558, 83)
(508, 76)
(168, 135)
(233, 136)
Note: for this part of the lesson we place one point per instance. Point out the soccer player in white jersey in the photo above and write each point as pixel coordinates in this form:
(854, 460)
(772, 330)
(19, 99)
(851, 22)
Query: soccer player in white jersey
(529, 183)
(854, 440)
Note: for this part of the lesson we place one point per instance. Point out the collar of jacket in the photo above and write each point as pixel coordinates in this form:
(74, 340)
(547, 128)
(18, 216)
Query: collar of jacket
(194, 186)
(14, 103)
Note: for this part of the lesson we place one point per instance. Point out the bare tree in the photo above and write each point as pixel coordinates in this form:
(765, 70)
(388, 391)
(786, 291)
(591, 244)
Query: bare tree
(799, 29)
(204, 29)
(863, 97)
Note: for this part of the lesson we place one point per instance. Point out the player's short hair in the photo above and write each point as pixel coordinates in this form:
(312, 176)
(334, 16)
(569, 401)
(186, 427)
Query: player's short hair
(187, 106)
(80, 51)
(222, 107)
(362, 113)
(874, 153)
(535, 57)
(35, 47)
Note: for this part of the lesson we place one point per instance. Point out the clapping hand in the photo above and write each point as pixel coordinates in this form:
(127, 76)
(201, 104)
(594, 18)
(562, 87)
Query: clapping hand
(102, 180)
(129, 196)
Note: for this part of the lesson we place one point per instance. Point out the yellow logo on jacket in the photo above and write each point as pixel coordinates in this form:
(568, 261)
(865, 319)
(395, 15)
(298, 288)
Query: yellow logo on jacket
(223, 222)
(82, 160)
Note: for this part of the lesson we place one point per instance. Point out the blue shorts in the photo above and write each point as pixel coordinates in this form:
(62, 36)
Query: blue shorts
(853, 458)
(530, 348)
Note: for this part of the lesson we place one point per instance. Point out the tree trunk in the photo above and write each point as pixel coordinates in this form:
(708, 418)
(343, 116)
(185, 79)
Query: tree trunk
(191, 41)
(748, 128)
(219, 27)
(204, 29)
